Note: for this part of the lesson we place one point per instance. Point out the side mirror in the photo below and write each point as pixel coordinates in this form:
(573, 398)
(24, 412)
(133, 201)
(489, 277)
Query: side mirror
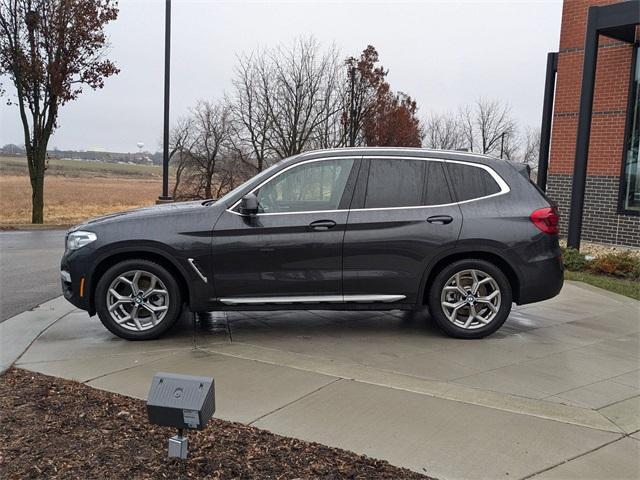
(249, 204)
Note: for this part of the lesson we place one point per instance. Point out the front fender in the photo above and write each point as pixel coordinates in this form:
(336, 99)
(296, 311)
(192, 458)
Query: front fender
(195, 289)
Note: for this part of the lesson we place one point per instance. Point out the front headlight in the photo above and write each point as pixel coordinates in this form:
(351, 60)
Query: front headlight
(78, 239)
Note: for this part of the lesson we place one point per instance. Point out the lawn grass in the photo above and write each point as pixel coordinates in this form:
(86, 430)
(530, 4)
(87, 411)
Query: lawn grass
(76, 190)
(628, 288)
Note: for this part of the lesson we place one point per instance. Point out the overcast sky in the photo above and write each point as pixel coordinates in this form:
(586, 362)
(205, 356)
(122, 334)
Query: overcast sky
(442, 53)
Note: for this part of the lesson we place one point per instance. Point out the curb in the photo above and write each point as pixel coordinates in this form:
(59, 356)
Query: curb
(11, 227)
(19, 332)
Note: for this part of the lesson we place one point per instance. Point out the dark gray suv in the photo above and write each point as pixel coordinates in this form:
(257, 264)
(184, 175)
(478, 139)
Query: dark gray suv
(352, 229)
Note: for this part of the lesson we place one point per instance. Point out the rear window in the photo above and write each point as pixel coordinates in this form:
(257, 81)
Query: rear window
(471, 182)
(406, 183)
(395, 183)
(438, 192)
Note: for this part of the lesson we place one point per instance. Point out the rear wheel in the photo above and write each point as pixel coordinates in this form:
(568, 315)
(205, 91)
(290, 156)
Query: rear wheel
(470, 298)
(138, 299)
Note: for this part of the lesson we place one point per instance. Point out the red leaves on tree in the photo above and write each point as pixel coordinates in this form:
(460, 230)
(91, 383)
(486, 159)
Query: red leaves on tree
(378, 116)
(393, 122)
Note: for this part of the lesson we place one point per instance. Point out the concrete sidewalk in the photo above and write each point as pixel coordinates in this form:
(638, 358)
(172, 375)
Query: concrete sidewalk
(554, 394)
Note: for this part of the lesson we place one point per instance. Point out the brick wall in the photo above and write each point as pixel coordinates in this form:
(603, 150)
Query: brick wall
(606, 145)
(601, 222)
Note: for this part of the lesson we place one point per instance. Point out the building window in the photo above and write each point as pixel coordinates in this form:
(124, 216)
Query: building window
(631, 173)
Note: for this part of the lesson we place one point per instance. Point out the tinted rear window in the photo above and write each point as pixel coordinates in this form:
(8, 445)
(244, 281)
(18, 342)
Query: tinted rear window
(437, 188)
(395, 183)
(471, 182)
(406, 183)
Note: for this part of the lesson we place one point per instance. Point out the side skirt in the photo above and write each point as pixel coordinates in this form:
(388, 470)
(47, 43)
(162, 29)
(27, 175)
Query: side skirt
(313, 306)
(311, 299)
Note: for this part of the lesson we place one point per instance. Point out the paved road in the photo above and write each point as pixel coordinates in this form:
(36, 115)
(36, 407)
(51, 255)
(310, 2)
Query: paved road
(29, 269)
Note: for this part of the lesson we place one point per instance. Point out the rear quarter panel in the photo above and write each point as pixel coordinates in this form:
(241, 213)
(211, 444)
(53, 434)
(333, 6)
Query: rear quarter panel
(502, 225)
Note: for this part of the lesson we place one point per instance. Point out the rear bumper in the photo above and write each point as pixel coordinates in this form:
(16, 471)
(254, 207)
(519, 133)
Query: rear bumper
(541, 280)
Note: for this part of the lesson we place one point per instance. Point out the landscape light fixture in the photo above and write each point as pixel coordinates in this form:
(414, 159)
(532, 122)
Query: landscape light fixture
(180, 401)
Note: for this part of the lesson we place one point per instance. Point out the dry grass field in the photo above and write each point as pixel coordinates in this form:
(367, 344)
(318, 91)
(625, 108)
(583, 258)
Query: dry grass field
(76, 191)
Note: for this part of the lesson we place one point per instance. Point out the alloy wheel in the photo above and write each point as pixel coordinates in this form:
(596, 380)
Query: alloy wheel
(137, 300)
(471, 299)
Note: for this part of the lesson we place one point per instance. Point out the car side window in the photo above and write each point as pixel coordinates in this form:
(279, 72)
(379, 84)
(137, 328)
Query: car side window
(471, 182)
(395, 183)
(437, 189)
(306, 187)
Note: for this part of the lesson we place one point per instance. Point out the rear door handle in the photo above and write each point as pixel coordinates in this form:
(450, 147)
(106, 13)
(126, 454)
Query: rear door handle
(322, 224)
(440, 219)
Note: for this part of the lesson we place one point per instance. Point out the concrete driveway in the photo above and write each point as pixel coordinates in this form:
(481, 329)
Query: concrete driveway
(554, 394)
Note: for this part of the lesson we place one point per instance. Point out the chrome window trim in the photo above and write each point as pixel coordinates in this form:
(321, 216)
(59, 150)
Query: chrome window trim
(311, 299)
(504, 187)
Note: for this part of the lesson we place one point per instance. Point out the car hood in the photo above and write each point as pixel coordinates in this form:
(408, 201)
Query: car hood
(164, 210)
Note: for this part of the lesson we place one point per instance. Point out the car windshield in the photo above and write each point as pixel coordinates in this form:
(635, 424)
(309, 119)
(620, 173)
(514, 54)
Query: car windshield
(230, 194)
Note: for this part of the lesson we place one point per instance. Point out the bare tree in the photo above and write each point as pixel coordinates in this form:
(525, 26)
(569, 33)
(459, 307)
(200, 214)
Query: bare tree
(286, 100)
(178, 154)
(232, 171)
(467, 126)
(510, 146)
(444, 131)
(304, 94)
(331, 131)
(485, 124)
(205, 143)
(250, 108)
(50, 49)
(531, 151)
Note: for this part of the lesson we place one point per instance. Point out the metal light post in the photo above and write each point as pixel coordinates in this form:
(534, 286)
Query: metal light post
(165, 197)
(352, 113)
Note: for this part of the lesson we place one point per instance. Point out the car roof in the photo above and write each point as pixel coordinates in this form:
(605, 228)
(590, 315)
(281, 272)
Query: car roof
(403, 152)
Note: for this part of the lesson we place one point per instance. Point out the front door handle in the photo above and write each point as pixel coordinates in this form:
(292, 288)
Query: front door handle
(322, 224)
(440, 219)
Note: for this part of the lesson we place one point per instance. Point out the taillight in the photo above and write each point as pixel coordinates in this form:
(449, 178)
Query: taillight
(546, 219)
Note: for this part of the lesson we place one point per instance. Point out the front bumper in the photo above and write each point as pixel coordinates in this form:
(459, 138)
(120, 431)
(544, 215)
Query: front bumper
(74, 279)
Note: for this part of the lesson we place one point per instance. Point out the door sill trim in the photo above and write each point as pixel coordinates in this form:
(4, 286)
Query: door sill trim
(311, 299)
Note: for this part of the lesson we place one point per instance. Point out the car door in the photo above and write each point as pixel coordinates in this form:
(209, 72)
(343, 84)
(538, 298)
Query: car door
(402, 216)
(291, 251)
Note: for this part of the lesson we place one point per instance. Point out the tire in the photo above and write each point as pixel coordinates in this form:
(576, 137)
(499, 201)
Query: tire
(453, 311)
(157, 303)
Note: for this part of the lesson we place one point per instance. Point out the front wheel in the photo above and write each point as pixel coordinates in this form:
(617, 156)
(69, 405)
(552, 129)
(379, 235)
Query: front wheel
(138, 299)
(470, 299)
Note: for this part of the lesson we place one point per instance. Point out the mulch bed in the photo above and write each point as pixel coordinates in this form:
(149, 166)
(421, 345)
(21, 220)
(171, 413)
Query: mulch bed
(54, 428)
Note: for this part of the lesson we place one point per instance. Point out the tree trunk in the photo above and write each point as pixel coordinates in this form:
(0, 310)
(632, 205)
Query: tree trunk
(37, 192)
(176, 185)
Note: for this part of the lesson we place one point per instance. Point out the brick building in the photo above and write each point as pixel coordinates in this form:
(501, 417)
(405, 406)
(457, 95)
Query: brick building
(612, 194)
